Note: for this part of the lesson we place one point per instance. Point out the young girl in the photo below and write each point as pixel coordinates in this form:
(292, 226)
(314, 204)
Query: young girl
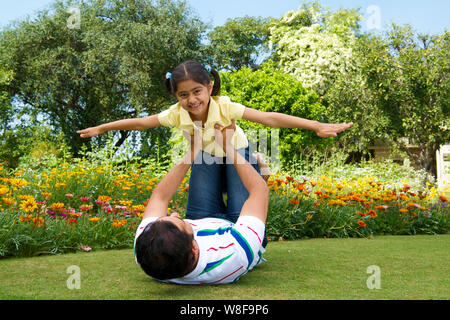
(200, 106)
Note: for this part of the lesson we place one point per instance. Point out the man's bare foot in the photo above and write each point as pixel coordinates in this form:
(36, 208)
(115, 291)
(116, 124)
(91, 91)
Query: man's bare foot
(263, 167)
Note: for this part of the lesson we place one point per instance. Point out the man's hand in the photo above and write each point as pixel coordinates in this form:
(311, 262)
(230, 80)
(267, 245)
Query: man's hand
(195, 143)
(326, 130)
(224, 135)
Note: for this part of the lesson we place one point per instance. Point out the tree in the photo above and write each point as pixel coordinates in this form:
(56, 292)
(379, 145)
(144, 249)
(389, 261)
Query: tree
(6, 109)
(109, 67)
(240, 42)
(270, 89)
(401, 89)
(315, 45)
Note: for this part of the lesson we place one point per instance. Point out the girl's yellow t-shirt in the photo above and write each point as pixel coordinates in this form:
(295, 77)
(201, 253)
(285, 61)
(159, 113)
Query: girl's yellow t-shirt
(221, 111)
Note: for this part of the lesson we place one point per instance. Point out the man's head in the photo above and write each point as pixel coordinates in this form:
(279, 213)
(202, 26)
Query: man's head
(167, 249)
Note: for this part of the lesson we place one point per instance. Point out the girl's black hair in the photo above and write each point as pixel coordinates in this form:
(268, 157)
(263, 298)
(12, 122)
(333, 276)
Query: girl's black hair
(192, 70)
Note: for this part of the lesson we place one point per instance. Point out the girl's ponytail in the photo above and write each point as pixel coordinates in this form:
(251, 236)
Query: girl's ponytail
(216, 87)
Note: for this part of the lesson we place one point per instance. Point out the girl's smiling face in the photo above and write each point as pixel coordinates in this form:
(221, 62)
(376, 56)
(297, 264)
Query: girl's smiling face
(194, 97)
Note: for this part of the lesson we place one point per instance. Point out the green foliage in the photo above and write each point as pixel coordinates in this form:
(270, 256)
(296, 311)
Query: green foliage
(32, 146)
(111, 67)
(315, 44)
(271, 90)
(6, 109)
(400, 89)
(239, 43)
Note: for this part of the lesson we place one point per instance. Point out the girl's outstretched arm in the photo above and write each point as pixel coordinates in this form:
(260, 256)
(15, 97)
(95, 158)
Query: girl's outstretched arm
(127, 124)
(280, 120)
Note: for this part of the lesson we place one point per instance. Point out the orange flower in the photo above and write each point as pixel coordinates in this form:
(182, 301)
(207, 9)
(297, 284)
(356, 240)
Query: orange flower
(443, 199)
(404, 210)
(301, 187)
(361, 214)
(295, 201)
(104, 198)
(38, 221)
(381, 207)
(372, 213)
(362, 224)
(119, 223)
(289, 179)
(46, 195)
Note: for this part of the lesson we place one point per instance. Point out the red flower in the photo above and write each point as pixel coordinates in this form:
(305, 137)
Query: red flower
(362, 224)
(443, 199)
(295, 201)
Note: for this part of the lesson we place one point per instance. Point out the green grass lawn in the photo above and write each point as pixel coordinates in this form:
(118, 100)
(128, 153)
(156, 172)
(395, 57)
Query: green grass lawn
(412, 267)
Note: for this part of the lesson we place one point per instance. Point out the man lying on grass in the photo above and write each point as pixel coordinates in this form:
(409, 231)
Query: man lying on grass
(204, 251)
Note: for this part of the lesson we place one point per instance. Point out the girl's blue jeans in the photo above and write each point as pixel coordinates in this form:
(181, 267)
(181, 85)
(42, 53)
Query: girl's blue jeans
(211, 177)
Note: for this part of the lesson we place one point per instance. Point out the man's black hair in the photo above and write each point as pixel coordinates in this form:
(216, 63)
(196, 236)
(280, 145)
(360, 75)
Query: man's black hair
(164, 251)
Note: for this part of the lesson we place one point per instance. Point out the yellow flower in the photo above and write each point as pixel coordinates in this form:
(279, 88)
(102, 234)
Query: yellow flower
(58, 206)
(3, 190)
(28, 205)
(94, 219)
(139, 208)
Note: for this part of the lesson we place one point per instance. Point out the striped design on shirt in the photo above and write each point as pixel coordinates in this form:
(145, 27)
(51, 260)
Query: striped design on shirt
(244, 245)
(211, 232)
(239, 238)
(212, 265)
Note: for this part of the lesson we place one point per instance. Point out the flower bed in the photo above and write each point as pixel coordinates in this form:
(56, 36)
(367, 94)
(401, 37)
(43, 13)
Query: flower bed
(81, 206)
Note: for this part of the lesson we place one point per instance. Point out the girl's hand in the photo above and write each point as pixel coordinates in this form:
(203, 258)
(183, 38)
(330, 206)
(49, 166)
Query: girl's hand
(90, 132)
(326, 130)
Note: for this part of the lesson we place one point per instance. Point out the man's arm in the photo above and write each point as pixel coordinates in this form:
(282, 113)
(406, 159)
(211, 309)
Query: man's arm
(257, 202)
(168, 186)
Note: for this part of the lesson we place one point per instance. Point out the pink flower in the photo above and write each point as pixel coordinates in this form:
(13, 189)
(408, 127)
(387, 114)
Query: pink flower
(84, 199)
(69, 195)
(85, 248)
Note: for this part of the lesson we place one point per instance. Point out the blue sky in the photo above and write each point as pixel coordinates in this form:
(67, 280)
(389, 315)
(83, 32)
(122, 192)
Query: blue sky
(425, 16)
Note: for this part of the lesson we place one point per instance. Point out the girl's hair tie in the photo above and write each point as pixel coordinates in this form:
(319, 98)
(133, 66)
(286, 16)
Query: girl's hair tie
(208, 68)
(168, 75)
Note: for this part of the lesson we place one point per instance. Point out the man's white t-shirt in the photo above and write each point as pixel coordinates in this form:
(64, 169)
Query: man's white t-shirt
(227, 250)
